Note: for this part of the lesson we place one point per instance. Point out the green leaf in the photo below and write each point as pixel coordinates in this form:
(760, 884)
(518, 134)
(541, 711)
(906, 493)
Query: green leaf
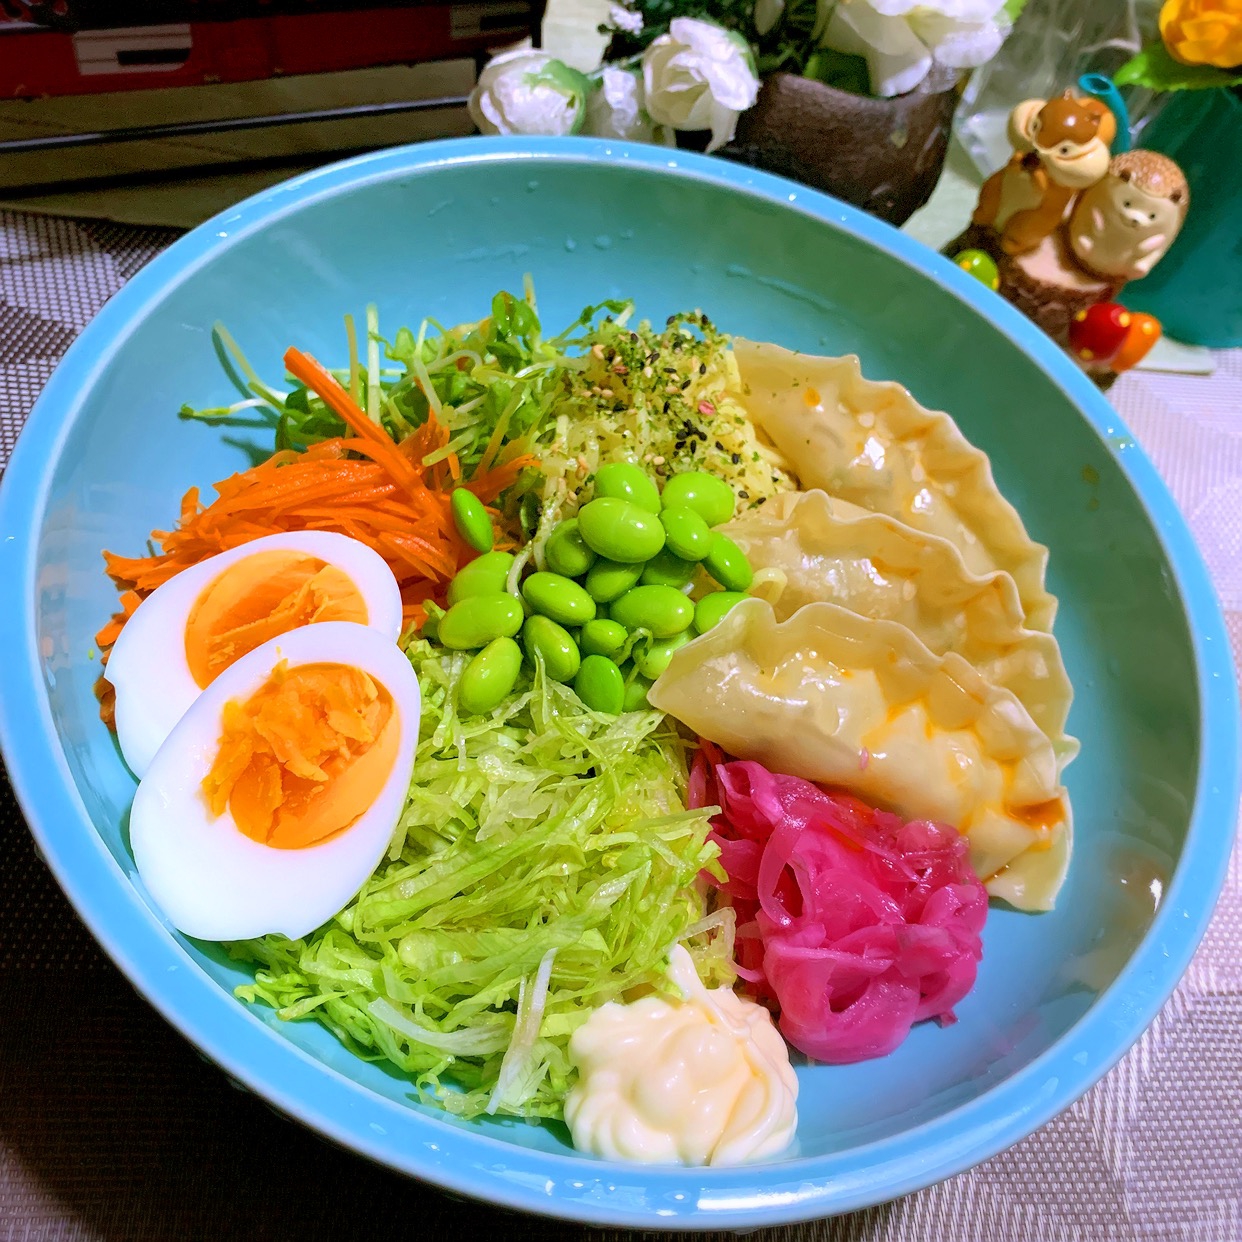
(561, 77)
(839, 69)
(1155, 69)
(1013, 9)
(403, 346)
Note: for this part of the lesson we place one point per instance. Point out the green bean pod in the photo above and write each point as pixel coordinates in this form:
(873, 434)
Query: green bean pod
(600, 686)
(490, 676)
(711, 609)
(478, 619)
(710, 497)
(562, 599)
(485, 575)
(727, 563)
(607, 580)
(620, 530)
(652, 660)
(663, 610)
(686, 534)
(623, 481)
(602, 637)
(554, 645)
(636, 694)
(566, 551)
(665, 569)
(472, 519)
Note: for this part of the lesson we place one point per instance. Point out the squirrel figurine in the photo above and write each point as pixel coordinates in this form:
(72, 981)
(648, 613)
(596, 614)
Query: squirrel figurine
(1063, 226)
(1061, 146)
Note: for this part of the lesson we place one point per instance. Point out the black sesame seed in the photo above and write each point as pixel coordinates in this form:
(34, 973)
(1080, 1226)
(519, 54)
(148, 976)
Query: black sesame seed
(702, 368)
(744, 494)
(735, 458)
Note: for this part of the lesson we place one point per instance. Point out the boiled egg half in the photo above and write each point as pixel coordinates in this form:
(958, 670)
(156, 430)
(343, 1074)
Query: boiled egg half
(277, 792)
(188, 631)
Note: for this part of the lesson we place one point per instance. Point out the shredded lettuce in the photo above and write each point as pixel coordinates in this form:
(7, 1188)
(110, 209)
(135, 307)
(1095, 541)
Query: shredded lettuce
(544, 865)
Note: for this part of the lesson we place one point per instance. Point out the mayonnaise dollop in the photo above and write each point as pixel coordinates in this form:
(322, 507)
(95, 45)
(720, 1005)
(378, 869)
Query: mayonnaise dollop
(706, 1081)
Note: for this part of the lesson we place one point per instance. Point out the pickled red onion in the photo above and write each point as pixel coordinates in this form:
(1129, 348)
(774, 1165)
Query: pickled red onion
(856, 923)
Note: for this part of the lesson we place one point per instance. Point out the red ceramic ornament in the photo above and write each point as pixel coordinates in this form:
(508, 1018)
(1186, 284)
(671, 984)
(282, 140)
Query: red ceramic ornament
(1143, 332)
(1097, 333)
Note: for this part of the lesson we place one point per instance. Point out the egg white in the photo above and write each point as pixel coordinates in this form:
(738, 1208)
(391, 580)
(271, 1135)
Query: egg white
(148, 666)
(209, 879)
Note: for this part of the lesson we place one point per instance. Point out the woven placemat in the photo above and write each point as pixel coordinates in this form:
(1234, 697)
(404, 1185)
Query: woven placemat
(112, 1127)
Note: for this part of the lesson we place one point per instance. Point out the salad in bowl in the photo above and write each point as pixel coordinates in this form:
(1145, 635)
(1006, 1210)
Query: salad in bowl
(592, 727)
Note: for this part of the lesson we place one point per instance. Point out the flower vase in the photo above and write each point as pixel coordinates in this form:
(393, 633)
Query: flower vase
(1196, 289)
(883, 155)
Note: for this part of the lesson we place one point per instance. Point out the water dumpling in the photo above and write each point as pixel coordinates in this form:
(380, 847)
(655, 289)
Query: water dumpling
(872, 444)
(819, 549)
(859, 703)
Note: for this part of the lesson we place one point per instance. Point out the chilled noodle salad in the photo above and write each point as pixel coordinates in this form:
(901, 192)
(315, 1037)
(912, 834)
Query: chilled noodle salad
(586, 724)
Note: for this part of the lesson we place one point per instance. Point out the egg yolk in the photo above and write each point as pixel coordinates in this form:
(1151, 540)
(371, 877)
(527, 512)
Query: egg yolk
(261, 597)
(305, 755)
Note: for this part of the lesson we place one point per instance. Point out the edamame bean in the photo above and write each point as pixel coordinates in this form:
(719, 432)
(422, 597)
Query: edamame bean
(472, 520)
(686, 534)
(558, 597)
(653, 660)
(566, 551)
(602, 637)
(490, 676)
(552, 643)
(607, 580)
(663, 610)
(478, 619)
(711, 498)
(620, 530)
(636, 695)
(727, 563)
(626, 482)
(665, 569)
(485, 575)
(711, 609)
(600, 686)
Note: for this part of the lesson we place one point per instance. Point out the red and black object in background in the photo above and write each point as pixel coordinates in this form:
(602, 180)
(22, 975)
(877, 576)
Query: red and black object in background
(82, 47)
(74, 15)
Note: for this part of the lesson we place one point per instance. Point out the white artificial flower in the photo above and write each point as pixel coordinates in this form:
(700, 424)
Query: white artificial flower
(615, 110)
(699, 76)
(902, 39)
(522, 91)
(621, 18)
(767, 14)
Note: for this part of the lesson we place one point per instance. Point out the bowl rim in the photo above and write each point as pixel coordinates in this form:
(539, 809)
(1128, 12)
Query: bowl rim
(448, 1155)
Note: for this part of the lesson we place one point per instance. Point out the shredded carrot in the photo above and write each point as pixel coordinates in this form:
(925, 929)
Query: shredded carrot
(366, 486)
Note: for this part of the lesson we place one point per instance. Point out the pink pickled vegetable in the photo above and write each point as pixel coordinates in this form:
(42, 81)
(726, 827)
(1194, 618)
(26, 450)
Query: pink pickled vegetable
(855, 922)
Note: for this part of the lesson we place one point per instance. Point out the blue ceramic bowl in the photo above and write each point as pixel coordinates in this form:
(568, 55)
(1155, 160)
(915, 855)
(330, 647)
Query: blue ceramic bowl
(436, 230)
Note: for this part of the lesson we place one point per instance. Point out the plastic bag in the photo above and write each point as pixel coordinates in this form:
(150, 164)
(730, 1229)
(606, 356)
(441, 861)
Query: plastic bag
(1054, 42)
